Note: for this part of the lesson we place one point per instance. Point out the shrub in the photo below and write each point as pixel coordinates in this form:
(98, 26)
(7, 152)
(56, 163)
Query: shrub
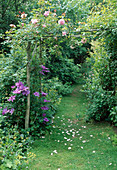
(14, 153)
(64, 69)
(58, 86)
(114, 139)
(102, 99)
(113, 115)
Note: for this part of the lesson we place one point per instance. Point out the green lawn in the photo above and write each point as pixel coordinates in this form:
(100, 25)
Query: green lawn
(74, 144)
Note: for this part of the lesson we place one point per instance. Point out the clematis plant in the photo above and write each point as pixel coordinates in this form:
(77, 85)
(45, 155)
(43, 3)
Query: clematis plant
(29, 35)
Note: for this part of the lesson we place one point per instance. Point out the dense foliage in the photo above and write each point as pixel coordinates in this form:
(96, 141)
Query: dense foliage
(101, 86)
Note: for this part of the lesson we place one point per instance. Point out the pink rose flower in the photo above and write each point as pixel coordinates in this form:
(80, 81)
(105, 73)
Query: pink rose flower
(12, 26)
(63, 33)
(55, 38)
(54, 14)
(46, 13)
(22, 24)
(44, 25)
(83, 40)
(34, 21)
(24, 15)
(61, 22)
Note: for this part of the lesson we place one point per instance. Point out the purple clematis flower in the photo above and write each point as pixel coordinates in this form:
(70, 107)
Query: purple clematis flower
(19, 84)
(13, 87)
(46, 119)
(44, 69)
(44, 94)
(44, 108)
(36, 94)
(17, 91)
(11, 98)
(11, 111)
(5, 111)
(46, 100)
(44, 114)
(26, 92)
(41, 72)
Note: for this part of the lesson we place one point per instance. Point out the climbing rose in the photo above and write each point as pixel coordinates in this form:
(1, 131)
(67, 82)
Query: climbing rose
(24, 15)
(61, 22)
(12, 26)
(55, 38)
(22, 24)
(34, 21)
(46, 13)
(54, 14)
(83, 40)
(63, 33)
(44, 25)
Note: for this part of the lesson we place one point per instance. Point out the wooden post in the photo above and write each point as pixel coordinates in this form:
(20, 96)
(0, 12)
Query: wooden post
(28, 83)
(40, 56)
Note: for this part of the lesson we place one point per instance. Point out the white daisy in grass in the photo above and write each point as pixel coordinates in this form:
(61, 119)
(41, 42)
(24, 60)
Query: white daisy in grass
(81, 147)
(69, 148)
(84, 141)
(91, 136)
(55, 151)
(93, 151)
(80, 137)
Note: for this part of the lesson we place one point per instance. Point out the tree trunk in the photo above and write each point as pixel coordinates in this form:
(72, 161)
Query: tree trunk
(28, 83)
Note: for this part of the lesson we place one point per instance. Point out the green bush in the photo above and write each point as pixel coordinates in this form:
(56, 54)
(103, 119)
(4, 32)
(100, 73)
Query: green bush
(114, 139)
(64, 69)
(14, 153)
(102, 98)
(56, 84)
(113, 115)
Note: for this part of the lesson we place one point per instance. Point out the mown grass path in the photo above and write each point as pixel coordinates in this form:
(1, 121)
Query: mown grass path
(74, 144)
